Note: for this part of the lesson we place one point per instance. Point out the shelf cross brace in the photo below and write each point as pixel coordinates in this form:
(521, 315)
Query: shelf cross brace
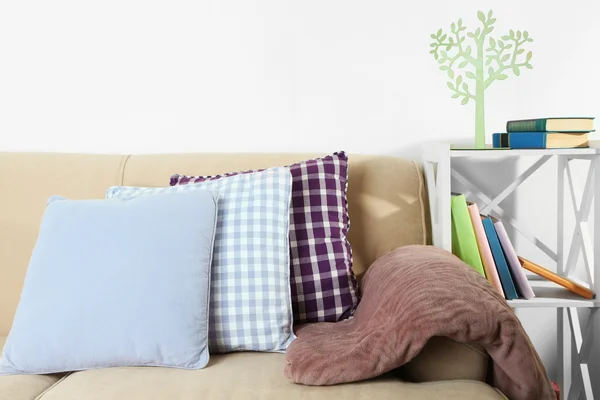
(583, 347)
(515, 184)
(581, 241)
(498, 211)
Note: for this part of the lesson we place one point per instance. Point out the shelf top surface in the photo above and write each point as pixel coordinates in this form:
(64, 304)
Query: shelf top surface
(463, 151)
(522, 152)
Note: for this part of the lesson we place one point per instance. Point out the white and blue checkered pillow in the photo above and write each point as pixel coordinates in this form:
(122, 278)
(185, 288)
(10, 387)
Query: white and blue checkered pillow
(250, 307)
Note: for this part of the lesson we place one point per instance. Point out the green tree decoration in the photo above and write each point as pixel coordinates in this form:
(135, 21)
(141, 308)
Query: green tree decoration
(481, 59)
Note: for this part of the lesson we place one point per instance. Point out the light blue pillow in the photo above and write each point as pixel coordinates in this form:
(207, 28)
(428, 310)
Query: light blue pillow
(116, 283)
(251, 303)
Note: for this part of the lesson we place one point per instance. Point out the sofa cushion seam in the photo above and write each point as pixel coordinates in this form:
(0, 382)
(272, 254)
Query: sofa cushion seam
(123, 168)
(41, 395)
(486, 355)
(502, 394)
(421, 205)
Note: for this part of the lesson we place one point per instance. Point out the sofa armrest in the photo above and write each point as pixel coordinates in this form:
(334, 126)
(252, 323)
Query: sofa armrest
(444, 359)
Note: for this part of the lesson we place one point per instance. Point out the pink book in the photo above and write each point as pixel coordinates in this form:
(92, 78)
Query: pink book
(523, 286)
(484, 248)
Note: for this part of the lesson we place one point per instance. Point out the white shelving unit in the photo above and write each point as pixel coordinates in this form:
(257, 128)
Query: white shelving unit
(574, 340)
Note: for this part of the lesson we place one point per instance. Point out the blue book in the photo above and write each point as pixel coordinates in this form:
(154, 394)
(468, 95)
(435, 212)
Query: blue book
(539, 140)
(499, 259)
(500, 140)
(528, 140)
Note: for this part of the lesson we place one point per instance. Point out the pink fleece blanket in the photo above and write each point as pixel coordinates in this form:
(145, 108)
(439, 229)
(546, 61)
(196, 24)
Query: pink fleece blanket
(409, 296)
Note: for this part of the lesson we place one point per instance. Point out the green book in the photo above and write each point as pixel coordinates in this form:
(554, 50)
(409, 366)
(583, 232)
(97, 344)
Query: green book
(557, 124)
(464, 244)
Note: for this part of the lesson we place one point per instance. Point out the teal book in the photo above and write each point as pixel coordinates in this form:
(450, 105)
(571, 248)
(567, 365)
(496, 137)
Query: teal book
(501, 265)
(556, 124)
(540, 140)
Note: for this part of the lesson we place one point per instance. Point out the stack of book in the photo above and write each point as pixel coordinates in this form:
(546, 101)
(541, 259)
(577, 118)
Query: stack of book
(545, 133)
(482, 242)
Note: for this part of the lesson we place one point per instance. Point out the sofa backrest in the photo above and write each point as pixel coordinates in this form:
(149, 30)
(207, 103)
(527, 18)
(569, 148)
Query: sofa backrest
(385, 195)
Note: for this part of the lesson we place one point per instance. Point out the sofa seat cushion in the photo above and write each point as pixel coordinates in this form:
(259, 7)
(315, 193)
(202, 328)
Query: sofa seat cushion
(25, 387)
(246, 376)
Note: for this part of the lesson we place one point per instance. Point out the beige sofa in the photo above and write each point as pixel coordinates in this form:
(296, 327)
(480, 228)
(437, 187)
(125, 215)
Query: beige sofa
(387, 209)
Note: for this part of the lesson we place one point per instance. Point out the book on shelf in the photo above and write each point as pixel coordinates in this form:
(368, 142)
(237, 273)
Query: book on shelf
(560, 280)
(464, 244)
(482, 242)
(554, 124)
(540, 140)
(500, 141)
(510, 291)
(520, 279)
(477, 244)
(483, 246)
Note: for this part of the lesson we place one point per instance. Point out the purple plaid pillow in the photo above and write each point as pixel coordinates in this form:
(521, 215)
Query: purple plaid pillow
(323, 284)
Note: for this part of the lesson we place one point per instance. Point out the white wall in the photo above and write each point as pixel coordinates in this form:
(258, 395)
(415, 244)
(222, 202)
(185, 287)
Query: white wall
(176, 76)
(157, 76)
